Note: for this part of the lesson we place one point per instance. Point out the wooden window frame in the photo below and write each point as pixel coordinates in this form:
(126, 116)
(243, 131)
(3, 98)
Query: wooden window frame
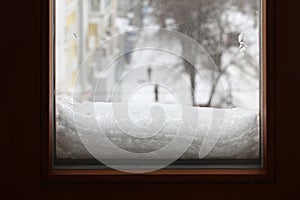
(265, 174)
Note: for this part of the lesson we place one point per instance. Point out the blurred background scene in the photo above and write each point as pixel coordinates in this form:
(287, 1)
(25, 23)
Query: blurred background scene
(86, 35)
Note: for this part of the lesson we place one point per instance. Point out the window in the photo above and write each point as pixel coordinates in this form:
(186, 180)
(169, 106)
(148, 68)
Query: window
(174, 85)
(107, 3)
(95, 5)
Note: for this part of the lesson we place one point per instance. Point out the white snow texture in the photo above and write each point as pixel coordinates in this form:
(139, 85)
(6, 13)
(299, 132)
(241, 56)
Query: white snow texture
(219, 134)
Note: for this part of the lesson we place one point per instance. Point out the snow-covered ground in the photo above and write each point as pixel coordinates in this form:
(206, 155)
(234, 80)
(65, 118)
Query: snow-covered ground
(87, 130)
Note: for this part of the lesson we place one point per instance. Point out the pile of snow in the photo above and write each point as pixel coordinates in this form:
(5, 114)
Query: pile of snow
(219, 133)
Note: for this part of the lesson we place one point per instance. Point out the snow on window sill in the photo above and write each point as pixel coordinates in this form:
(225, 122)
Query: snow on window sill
(239, 138)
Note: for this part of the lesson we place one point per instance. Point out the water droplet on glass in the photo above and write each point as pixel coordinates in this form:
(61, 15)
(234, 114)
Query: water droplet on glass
(76, 36)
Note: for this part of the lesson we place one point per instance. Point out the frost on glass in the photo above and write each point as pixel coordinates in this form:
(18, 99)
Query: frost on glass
(157, 79)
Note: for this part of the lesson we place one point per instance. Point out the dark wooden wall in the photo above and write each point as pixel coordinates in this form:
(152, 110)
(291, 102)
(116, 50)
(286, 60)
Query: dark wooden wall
(20, 132)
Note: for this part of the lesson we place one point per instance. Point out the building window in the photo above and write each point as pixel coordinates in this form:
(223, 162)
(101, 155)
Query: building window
(107, 3)
(95, 5)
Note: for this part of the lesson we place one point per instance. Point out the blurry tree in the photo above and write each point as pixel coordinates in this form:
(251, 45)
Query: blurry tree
(202, 20)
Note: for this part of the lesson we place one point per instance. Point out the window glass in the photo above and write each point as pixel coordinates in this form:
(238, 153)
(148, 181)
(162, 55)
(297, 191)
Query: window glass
(158, 83)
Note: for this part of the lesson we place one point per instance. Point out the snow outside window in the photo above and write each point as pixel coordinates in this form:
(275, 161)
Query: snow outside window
(158, 83)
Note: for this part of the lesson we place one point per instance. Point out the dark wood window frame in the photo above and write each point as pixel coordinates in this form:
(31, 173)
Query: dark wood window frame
(165, 175)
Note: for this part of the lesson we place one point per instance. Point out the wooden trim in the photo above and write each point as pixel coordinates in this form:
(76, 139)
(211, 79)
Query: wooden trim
(165, 175)
(51, 79)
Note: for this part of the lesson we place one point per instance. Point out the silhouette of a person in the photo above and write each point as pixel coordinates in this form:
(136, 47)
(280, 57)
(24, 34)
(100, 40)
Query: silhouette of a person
(156, 92)
(149, 70)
